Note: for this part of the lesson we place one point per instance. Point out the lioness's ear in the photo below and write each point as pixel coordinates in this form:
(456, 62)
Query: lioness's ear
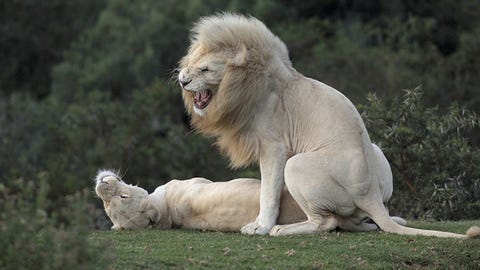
(151, 212)
(240, 57)
(116, 227)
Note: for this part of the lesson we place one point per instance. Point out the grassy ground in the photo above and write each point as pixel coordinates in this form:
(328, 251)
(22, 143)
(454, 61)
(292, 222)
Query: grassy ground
(184, 249)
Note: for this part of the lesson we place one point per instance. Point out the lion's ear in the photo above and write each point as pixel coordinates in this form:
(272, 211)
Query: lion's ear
(240, 57)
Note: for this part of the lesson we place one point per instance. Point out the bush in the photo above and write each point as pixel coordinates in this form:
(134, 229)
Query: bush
(35, 238)
(436, 170)
(147, 137)
(33, 36)
(129, 46)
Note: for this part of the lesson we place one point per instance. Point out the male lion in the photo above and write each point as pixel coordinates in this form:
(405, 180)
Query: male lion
(239, 86)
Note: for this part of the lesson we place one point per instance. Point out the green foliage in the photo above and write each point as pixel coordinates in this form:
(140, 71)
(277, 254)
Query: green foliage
(35, 238)
(384, 56)
(182, 249)
(124, 50)
(117, 45)
(145, 137)
(455, 73)
(378, 47)
(436, 170)
(134, 43)
(33, 36)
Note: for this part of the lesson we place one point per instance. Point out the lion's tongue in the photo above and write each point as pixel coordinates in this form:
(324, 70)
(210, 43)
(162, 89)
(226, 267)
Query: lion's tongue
(202, 99)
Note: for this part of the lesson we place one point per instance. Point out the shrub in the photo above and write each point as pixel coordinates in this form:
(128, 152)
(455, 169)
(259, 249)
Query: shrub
(436, 170)
(147, 137)
(35, 238)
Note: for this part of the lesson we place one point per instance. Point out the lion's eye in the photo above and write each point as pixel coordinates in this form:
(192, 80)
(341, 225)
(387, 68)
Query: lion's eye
(205, 69)
(124, 196)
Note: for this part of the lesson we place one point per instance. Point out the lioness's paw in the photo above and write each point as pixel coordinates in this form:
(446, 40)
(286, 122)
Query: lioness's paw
(105, 174)
(255, 228)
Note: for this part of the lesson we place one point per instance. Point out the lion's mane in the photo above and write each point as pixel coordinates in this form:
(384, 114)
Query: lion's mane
(250, 48)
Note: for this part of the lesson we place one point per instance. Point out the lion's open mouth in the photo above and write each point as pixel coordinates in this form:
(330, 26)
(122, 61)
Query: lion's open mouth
(202, 98)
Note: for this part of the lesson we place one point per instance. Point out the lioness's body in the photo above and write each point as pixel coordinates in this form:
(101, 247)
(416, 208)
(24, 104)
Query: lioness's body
(196, 203)
(219, 206)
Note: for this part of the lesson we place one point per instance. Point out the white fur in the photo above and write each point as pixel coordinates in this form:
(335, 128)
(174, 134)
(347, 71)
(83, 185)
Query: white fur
(303, 133)
(200, 112)
(196, 203)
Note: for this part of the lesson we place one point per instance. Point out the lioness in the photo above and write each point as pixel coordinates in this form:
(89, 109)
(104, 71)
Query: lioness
(239, 86)
(198, 203)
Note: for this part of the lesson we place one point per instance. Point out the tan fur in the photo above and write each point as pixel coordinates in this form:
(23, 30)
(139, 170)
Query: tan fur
(196, 203)
(473, 232)
(240, 87)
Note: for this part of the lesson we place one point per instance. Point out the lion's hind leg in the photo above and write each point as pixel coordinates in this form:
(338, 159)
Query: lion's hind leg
(352, 226)
(310, 226)
(359, 222)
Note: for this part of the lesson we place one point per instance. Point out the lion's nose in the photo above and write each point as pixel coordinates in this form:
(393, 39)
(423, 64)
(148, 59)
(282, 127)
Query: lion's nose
(184, 82)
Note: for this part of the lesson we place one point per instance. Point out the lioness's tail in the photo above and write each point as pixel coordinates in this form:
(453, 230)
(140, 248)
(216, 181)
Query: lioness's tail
(380, 216)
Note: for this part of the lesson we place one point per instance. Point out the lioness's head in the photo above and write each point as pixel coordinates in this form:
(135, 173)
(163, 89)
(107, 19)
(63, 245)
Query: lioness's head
(126, 205)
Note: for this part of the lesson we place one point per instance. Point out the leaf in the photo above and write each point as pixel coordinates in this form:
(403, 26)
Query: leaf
(290, 252)
(226, 251)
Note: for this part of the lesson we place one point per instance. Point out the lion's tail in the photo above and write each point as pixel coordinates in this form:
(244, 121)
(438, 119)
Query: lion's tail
(393, 227)
(380, 216)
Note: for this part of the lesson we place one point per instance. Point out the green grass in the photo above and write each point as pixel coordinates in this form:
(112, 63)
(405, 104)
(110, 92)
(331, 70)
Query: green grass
(184, 249)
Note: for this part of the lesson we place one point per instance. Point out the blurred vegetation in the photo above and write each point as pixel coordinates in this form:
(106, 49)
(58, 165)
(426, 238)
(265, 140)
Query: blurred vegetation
(86, 85)
(33, 238)
(436, 171)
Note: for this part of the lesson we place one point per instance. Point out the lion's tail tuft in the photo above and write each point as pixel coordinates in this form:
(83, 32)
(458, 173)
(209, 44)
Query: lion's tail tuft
(473, 232)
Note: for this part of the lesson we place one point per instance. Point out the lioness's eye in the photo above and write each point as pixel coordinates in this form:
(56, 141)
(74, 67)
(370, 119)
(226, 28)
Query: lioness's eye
(204, 69)
(123, 196)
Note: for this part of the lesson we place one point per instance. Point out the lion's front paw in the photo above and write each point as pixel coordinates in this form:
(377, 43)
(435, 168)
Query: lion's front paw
(255, 228)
